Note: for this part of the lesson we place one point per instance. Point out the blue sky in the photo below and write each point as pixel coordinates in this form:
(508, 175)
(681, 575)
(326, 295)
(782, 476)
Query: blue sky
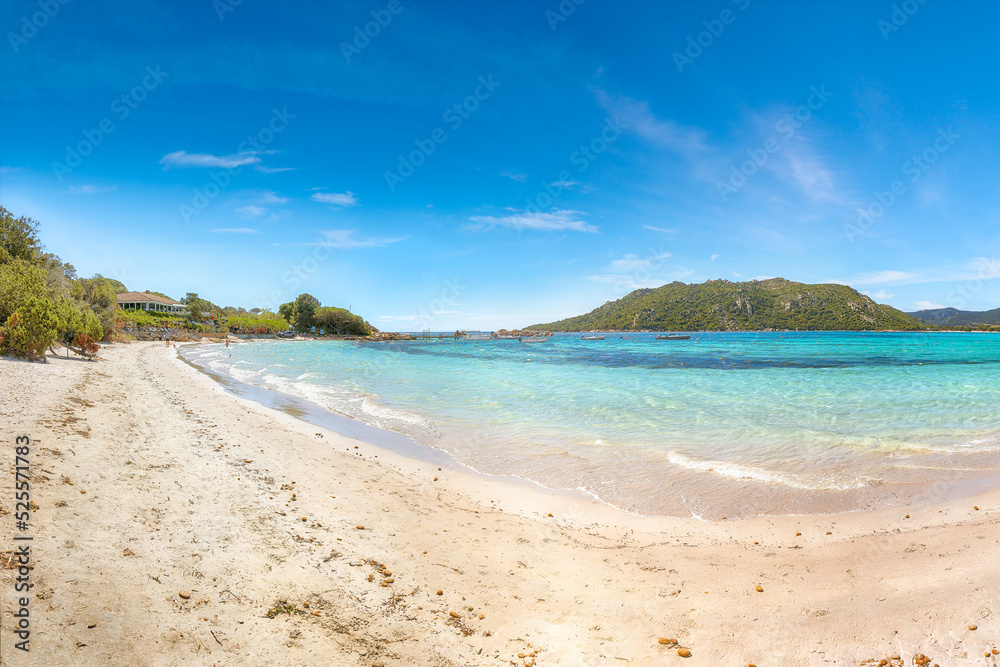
(482, 165)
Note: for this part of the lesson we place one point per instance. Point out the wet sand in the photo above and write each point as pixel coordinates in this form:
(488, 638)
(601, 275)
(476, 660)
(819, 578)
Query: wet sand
(174, 518)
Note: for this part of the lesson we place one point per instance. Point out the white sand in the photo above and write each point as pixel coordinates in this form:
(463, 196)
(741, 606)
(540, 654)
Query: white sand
(186, 479)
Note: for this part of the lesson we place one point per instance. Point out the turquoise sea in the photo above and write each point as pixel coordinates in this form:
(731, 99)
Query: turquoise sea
(721, 425)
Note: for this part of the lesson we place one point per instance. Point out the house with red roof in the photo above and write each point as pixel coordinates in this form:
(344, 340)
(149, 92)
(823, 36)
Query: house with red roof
(148, 301)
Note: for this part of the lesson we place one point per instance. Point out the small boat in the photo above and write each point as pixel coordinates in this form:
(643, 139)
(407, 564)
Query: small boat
(479, 336)
(672, 337)
(534, 339)
(591, 337)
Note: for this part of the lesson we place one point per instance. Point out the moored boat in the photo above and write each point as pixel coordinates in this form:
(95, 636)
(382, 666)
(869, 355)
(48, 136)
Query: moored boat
(591, 337)
(672, 337)
(534, 339)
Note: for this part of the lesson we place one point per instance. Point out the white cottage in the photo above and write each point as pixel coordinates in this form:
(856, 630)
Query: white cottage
(147, 301)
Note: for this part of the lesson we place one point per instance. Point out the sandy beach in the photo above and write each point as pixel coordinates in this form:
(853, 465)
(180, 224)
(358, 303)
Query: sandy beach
(178, 524)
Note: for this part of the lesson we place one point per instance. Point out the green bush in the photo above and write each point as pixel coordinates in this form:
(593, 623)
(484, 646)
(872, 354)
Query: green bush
(30, 330)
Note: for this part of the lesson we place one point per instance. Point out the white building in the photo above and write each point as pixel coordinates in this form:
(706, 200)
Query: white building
(147, 301)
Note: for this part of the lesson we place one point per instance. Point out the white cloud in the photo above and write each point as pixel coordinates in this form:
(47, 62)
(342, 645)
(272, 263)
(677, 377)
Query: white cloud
(91, 189)
(272, 170)
(635, 115)
(565, 185)
(515, 176)
(415, 317)
(881, 277)
(633, 263)
(809, 174)
(714, 257)
(185, 159)
(881, 294)
(630, 272)
(251, 211)
(660, 229)
(345, 239)
(927, 305)
(268, 197)
(554, 221)
(235, 230)
(336, 198)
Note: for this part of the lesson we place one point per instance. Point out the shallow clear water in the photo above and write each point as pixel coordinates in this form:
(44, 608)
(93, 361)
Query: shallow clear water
(723, 424)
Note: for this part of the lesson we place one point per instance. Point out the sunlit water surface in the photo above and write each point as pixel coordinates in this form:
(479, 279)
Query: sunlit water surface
(721, 425)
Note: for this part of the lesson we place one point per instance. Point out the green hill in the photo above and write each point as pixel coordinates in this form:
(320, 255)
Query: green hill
(952, 317)
(719, 305)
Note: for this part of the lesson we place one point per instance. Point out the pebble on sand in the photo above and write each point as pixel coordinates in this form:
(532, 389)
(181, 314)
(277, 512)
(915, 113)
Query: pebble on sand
(759, 588)
(684, 653)
(185, 595)
(440, 592)
(972, 627)
(360, 527)
(455, 614)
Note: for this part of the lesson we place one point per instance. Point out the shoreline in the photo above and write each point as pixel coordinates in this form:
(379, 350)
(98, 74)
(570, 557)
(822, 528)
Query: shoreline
(785, 500)
(189, 478)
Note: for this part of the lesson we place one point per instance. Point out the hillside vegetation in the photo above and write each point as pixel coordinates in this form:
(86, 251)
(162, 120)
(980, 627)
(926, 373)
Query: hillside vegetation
(720, 305)
(952, 317)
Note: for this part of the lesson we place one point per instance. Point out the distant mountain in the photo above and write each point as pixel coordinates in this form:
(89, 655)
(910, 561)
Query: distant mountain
(720, 305)
(952, 317)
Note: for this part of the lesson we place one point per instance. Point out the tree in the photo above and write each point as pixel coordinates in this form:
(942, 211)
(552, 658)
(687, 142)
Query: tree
(19, 281)
(287, 311)
(18, 238)
(101, 296)
(341, 322)
(30, 330)
(305, 311)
